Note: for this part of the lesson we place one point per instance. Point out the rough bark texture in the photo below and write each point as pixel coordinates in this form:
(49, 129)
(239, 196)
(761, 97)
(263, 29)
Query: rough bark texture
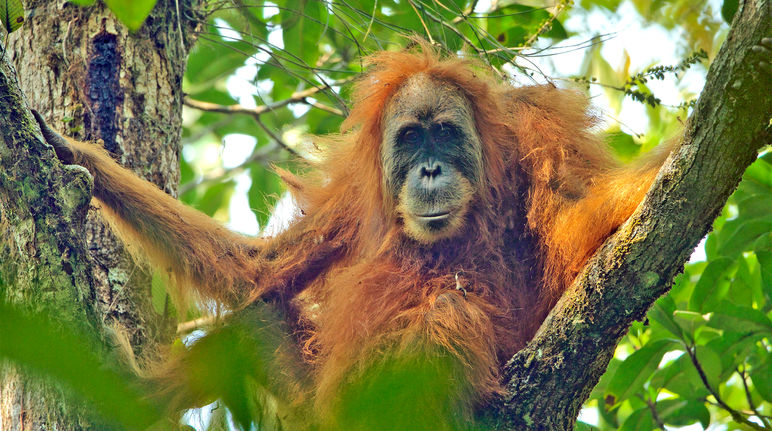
(549, 380)
(92, 79)
(43, 261)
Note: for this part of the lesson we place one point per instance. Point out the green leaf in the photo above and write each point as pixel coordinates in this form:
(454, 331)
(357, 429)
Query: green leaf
(761, 377)
(216, 197)
(735, 349)
(211, 62)
(712, 285)
(131, 12)
(264, 192)
(765, 267)
(710, 362)
(50, 349)
(755, 205)
(739, 234)
(734, 318)
(623, 144)
(639, 420)
(662, 313)
(11, 14)
(728, 9)
(599, 391)
(557, 31)
(582, 426)
(302, 24)
(637, 369)
(682, 412)
(679, 377)
(689, 320)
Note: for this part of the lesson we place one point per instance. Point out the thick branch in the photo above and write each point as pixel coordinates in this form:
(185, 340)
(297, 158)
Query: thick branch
(554, 374)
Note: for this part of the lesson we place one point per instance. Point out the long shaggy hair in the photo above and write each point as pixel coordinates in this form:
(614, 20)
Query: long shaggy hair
(552, 193)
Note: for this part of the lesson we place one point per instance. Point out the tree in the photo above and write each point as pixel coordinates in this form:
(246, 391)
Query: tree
(98, 80)
(644, 256)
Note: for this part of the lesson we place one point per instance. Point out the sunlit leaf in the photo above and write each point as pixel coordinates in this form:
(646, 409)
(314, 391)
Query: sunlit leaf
(682, 412)
(11, 14)
(623, 144)
(662, 312)
(265, 190)
(728, 9)
(410, 391)
(216, 197)
(639, 420)
(741, 233)
(762, 379)
(712, 285)
(734, 318)
(303, 22)
(583, 426)
(131, 12)
(637, 369)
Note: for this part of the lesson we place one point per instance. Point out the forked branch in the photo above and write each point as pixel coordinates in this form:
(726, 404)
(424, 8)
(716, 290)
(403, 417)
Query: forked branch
(549, 380)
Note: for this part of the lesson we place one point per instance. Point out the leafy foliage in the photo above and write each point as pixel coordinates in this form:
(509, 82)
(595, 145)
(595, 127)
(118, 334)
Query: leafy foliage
(76, 362)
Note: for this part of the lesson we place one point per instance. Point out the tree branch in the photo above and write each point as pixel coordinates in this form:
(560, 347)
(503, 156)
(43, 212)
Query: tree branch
(296, 97)
(549, 379)
(260, 155)
(737, 416)
(749, 398)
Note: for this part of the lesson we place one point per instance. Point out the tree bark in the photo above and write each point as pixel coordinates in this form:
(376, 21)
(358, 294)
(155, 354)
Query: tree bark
(550, 379)
(92, 79)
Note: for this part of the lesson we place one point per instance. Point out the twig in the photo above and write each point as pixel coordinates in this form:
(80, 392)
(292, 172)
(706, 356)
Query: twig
(736, 415)
(243, 10)
(296, 97)
(653, 407)
(179, 28)
(466, 13)
(325, 108)
(192, 325)
(749, 397)
(239, 109)
(276, 138)
(420, 18)
(452, 28)
(260, 155)
(547, 23)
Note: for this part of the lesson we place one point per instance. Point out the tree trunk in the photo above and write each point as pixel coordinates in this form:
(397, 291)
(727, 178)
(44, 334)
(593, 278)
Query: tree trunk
(91, 79)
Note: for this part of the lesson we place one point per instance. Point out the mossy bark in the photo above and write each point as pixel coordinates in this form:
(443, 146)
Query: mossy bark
(549, 380)
(92, 79)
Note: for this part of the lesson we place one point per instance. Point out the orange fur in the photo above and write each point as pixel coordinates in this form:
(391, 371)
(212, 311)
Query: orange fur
(552, 194)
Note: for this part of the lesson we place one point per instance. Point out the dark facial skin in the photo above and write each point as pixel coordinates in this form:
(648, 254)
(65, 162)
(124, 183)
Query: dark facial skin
(432, 157)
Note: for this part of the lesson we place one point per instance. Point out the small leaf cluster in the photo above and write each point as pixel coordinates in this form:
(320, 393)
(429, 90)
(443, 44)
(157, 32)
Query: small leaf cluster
(635, 86)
